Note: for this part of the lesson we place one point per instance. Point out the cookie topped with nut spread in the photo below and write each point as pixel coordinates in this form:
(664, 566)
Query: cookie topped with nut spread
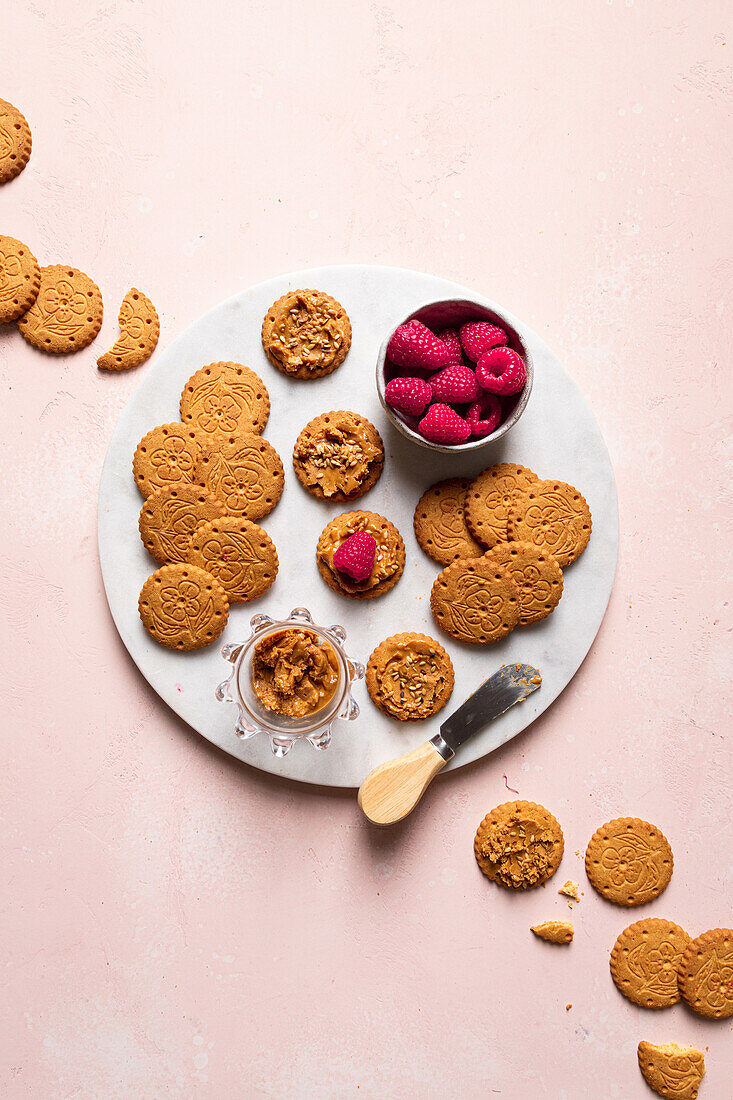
(519, 844)
(389, 554)
(338, 456)
(306, 334)
(410, 676)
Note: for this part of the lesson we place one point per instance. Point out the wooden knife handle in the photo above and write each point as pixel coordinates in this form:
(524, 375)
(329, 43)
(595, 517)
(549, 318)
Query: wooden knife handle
(393, 789)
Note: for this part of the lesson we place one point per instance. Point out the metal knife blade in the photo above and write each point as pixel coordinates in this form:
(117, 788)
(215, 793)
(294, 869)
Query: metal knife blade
(509, 685)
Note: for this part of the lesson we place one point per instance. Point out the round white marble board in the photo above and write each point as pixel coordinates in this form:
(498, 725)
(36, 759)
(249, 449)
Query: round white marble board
(557, 437)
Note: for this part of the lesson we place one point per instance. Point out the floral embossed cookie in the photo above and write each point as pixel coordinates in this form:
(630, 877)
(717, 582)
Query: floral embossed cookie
(15, 141)
(238, 553)
(440, 522)
(338, 456)
(519, 845)
(475, 600)
(488, 498)
(409, 676)
(20, 279)
(245, 473)
(629, 861)
(183, 607)
(672, 1071)
(536, 574)
(389, 555)
(139, 333)
(644, 962)
(705, 974)
(67, 312)
(166, 456)
(306, 334)
(552, 515)
(225, 399)
(169, 517)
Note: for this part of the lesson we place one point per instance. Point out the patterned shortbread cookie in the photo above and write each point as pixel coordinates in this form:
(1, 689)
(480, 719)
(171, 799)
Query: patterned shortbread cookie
(629, 861)
(440, 522)
(166, 456)
(338, 456)
(139, 332)
(705, 974)
(15, 141)
(554, 516)
(644, 962)
(409, 676)
(536, 574)
(306, 334)
(672, 1071)
(519, 844)
(20, 279)
(488, 498)
(170, 516)
(474, 600)
(245, 473)
(67, 312)
(183, 607)
(225, 399)
(238, 553)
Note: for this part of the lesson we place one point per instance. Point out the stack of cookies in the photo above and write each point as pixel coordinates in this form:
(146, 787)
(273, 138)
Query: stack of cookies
(206, 480)
(504, 539)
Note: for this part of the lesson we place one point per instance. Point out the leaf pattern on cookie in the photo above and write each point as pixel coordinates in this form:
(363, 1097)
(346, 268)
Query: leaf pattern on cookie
(183, 607)
(475, 600)
(489, 497)
(224, 399)
(705, 974)
(552, 515)
(67, 313)
(629, 861)
(11, 274)
(671, 1070)
(238, 553)
(139, 332)
(245, 474)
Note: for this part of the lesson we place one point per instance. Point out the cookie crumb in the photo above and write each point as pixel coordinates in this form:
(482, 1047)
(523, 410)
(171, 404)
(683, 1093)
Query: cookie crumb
(570, 890)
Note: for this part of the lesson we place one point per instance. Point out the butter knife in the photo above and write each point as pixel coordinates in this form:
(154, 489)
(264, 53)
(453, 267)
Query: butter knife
(392, 790)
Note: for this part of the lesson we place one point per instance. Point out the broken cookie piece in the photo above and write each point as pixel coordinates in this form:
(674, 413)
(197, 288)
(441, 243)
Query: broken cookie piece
(554, 931)
(671, 1070)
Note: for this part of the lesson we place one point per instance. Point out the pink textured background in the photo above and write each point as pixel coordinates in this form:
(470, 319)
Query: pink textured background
(173, 923)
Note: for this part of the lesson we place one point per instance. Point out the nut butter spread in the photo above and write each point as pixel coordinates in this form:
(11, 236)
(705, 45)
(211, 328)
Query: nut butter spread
(338, 453)
(294, 673)
(306, 332)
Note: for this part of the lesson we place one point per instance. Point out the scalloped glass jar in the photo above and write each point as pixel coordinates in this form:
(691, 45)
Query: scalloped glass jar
(283, 731)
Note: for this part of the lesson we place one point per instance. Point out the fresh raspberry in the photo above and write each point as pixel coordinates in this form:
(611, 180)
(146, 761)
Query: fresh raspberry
(442, 424)
(455, 385)
(478, 336)
(484, 416)
(452, 341)
(414, 345)
(355, 555)
(501, 370)
(408, 395)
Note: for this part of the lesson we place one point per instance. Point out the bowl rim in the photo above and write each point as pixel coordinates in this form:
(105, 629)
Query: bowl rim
(489, 312)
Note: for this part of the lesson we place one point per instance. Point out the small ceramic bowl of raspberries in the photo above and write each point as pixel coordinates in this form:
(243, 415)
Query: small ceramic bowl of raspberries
(454, 376)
